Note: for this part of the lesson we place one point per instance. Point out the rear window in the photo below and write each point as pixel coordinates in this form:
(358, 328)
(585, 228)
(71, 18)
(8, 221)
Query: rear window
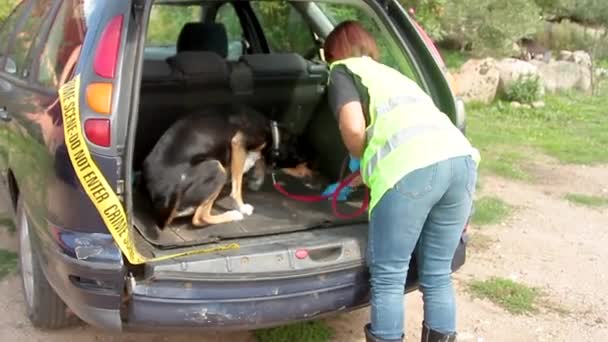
(285, 28)
(390, 54)
(166, 22)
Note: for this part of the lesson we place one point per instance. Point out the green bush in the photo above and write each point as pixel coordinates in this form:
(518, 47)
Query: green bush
(490, 27)
(524, 89)
(6, 6)
(594, 12)
(428, 14)
(567, 35)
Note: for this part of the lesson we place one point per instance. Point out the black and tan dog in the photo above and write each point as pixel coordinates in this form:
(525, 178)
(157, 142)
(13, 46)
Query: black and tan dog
(200, 153)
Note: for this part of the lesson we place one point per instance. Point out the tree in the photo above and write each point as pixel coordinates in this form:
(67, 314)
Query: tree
(6, 6)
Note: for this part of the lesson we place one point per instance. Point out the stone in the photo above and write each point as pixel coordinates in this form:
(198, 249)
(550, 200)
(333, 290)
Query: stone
(526, 106)
(538, 104)
(564, 55)
(511, 69)
(515, 104)
(581, 58)
(563, 75)
(477, 80)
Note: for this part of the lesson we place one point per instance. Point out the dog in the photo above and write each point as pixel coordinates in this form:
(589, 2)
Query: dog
(200, 153)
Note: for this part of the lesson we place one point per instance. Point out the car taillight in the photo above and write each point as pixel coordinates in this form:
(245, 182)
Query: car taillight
(98, 131)
(107, 51)
(99, 97)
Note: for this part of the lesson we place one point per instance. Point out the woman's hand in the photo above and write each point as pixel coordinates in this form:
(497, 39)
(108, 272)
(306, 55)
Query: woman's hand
(352, 128)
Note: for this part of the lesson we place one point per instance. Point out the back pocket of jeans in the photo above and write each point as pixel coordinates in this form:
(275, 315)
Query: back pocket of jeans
(417, 183)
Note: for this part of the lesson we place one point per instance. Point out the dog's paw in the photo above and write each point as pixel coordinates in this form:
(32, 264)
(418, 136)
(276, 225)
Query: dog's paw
(235, 215)
(247, 209)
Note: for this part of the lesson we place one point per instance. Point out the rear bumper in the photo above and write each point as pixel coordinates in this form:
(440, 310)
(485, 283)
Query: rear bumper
(252, 304)
(201, 304)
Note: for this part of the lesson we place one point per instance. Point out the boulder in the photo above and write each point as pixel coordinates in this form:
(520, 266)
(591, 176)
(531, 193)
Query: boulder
(511, 69)
(563, 75)
(538, 104)
(601, 72)
(581, 58)
(515, 104)
(477, 80)
(564, 55)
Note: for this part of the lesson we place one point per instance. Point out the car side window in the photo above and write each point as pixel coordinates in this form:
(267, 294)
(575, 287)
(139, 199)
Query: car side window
(284, 28)
(227, 16)
(165, 25)
(62, 48)
(389, 55)
(6, 30)
(27, 32)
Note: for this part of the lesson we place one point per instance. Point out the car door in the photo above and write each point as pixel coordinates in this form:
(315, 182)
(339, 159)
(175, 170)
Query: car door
(24, 124)
(7, 34)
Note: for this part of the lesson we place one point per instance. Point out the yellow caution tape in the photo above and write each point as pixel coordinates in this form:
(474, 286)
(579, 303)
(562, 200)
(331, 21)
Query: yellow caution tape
(96, 186)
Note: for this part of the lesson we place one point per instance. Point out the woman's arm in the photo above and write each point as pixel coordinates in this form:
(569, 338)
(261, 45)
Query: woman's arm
(352, 128)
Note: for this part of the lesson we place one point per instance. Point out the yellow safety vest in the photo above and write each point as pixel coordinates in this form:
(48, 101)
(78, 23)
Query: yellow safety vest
(406, 130)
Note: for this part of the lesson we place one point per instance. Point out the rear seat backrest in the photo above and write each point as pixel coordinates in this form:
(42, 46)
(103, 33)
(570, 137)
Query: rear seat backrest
(284, 86)
(196, 76)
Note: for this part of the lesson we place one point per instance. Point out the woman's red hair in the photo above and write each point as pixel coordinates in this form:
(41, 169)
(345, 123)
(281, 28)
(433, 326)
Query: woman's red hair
(350, 39)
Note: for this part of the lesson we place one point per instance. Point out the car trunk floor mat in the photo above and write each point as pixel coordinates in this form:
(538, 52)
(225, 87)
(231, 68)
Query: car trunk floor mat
(273, 213)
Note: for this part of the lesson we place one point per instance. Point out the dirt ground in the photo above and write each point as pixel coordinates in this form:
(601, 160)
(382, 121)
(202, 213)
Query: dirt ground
(547, 243)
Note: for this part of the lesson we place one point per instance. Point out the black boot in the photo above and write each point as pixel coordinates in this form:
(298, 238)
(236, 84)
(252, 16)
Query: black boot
(429, 335)
(371, 338)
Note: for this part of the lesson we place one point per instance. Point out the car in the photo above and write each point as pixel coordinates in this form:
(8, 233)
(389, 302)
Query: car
(87, 87)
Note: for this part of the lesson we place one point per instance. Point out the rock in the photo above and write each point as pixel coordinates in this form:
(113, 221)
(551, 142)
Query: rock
(564, 55)
(538, 104)
(477, 80)
(563, 75)
(581, 58)
(526, 106)
(601, 72)
(511, 69)
(515, 104)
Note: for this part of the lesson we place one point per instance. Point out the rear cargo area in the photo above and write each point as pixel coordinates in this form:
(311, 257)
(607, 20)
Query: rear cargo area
(274, 214)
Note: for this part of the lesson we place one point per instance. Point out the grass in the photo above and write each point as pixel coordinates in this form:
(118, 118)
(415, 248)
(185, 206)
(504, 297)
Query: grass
(490, 210)
(571, 127)
(603, 63)
(504, 163)
(8, 262)
(587, 200)
(513, 297)
(313, 331)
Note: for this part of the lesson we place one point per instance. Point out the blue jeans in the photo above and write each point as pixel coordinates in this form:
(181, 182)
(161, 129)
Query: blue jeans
(427, 209)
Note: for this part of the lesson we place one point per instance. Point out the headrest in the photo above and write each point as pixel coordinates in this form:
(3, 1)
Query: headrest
(201, 65)
(203, 37)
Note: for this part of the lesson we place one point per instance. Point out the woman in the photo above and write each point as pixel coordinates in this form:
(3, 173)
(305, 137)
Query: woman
(421, 171)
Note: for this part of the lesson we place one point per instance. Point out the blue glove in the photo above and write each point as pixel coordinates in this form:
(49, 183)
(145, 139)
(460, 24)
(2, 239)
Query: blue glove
(343, 193)
(353, 164)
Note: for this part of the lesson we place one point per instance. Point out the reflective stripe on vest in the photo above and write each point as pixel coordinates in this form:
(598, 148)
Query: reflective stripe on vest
(396, 140)
(389, 105)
